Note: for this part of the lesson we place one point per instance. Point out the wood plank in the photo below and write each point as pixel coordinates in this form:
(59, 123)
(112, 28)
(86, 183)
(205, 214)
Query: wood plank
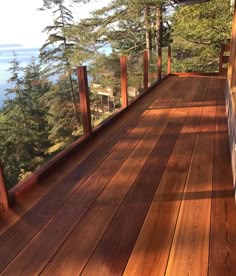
(30, 199)
(20, 234)
(115, 199)
(225, 59)
(87, 234)
(113, 251)
(84, 100)
(226, 47)
(195, 96)
(99, 179)
(81, 247)
(191, 240)
(95, 149)
(222, 259)
(151, 251)
(178, 88)
(123, 81)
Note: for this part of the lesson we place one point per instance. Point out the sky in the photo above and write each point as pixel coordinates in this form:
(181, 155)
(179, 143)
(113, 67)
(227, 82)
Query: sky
(21, 23)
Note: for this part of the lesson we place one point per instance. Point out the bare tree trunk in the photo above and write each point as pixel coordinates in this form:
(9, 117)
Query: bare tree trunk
(159, 38)
(148, 31)
(72, 93)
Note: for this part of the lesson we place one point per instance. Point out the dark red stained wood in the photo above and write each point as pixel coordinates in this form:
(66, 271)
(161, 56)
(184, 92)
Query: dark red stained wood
(84, 100)
(124, 81)
(145, 70)
(225, 59)
(226, 47)
(3, 191)
(169, 61)
(112, 253)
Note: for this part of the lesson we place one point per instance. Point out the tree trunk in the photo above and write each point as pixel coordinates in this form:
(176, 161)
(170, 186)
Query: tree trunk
(159, 38)
(148, 31)
(72, 93)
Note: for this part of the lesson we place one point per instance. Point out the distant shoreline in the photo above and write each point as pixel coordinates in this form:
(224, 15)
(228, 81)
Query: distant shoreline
(2, 46)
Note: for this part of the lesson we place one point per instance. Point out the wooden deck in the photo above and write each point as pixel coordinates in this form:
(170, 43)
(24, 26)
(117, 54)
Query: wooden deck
(150, 195)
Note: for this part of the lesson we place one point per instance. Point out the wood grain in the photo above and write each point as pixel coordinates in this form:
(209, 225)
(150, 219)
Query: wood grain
(191, 240)
(222, 260)
(151, 251)
(113, 251)
(140, 200)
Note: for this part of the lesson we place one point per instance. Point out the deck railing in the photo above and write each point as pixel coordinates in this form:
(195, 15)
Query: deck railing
(135, 75)
(134, 82)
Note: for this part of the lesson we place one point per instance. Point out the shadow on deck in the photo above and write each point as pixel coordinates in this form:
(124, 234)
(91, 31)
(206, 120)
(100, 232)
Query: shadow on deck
(151, 195)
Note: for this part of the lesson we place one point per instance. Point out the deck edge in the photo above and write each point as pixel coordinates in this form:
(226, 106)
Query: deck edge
(43, 171)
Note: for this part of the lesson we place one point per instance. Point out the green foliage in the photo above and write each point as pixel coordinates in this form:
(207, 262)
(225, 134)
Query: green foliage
(198, 32)
(61, 119)
(57, 51)
(24, 135)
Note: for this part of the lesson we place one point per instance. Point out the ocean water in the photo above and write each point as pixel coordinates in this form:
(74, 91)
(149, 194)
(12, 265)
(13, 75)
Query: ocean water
(23, 55)
(6, 56)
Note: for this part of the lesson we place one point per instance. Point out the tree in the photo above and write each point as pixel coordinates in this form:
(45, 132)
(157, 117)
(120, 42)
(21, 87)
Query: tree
(129, 26)
(57, 50)
(23, 124)
(198, 32)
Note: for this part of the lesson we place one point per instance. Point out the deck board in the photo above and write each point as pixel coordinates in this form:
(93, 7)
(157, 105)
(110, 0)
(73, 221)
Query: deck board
(152, 245)
(151, 195)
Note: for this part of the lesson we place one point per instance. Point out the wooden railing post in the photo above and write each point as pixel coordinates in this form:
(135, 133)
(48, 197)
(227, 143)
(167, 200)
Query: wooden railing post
(124, 81)
(145, 70)
(169, 60)
(3, 190)
(84, 100)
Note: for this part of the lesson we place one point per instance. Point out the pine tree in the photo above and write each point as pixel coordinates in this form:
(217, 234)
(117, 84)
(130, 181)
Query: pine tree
(56, 52)
(23, 124)
(198, 32)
